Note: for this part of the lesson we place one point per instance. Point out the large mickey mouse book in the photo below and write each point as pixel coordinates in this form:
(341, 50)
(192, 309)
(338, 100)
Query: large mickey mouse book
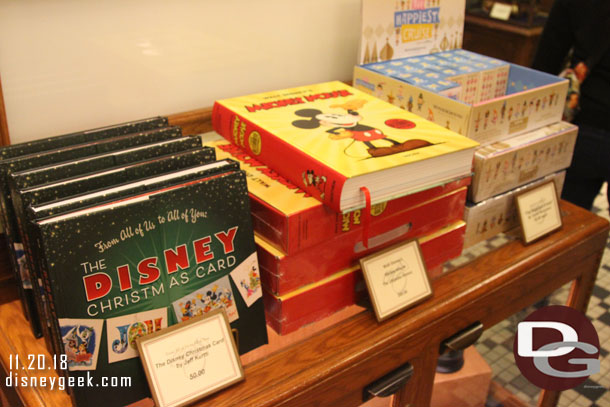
(331, 139)
(138, 264)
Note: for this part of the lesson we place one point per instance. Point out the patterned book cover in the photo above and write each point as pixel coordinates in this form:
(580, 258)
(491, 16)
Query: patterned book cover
(64, 140)
(404, 28)
(67, 169)
(498, 214)
(178, 168)
(160, 258)
(330, 140)
(508, 164)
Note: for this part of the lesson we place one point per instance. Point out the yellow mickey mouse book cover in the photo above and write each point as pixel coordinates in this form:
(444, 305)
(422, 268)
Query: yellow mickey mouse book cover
(331, 140)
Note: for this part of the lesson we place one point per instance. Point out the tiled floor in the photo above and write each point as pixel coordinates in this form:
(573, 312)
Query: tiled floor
(496, 344)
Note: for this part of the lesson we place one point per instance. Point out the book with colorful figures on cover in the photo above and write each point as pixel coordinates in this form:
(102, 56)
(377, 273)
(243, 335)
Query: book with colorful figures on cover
(161, 257)
(21, 162)
(181, 153)
(331, 140)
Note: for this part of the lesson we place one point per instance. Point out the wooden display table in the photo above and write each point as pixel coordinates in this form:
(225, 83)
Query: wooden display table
(331, 367)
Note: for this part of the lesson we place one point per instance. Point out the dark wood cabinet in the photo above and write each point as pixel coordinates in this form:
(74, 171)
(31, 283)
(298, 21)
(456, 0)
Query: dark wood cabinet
(503, 40)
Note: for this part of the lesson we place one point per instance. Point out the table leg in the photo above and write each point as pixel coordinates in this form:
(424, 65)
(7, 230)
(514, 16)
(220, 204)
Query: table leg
(580, 294)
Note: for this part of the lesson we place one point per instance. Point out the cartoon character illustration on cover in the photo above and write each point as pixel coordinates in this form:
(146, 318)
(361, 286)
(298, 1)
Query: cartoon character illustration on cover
(77, 343)
(390, 97)
(400, 94)
(254, 282)
(379, 90)
(410, 104)
(420, 102)
(345, 126)
(311, 179)
(498, 165)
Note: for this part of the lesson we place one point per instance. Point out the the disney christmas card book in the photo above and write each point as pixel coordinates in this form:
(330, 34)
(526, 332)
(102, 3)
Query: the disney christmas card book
(159, 258)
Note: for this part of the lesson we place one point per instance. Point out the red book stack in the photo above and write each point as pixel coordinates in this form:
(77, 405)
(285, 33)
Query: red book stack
(308, 252)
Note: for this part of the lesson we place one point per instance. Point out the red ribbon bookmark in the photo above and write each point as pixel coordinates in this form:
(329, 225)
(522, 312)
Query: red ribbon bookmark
(366, 222)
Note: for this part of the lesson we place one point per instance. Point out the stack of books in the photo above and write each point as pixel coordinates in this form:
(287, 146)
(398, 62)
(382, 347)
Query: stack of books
(509, 167)
(313, 154)
(120, 234)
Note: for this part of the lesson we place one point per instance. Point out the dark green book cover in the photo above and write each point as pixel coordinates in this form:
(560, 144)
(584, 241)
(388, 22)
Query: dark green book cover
(87, 182)
(161, 257)
(67, 169)
(100, 196)
(72, 152)
(162, 151)
(108, 177)
(64, 140)
(8, 166)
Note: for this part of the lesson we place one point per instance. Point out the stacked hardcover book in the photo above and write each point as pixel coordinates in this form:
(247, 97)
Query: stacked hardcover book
(334, 175)
(510, 167)
(119, 232)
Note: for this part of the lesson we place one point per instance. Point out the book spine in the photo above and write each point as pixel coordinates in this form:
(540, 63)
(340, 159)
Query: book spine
(64, 140)
(49, 304)
(343, 251)
(314, 177)
(17, 260)
(270, 223)
(22, 238)
(308, 228)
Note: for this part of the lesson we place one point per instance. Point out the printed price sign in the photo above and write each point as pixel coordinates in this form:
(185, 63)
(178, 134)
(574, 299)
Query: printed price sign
(501, 11)
(396, 278)
(538, 212)
(190, 360)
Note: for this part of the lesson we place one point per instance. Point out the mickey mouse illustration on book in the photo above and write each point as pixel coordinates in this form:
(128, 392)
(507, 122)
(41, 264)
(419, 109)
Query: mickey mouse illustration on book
(347, 125)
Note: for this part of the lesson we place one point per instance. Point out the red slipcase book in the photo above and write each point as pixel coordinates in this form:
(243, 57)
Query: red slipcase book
(292, 220)
(286, 273)
(289, 312)
(331, 140)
